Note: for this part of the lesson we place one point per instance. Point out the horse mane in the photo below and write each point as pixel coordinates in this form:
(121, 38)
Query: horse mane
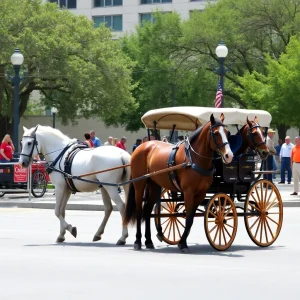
(197, 132)
(47, 129)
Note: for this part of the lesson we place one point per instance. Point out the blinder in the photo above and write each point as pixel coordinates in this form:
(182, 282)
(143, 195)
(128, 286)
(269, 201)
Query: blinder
(213, 137)
(250, 135)
(34, 144)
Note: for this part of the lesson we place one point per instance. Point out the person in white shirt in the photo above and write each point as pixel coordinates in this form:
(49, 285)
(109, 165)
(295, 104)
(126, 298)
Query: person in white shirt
(109, 141)
(268, 163)
(285, 159)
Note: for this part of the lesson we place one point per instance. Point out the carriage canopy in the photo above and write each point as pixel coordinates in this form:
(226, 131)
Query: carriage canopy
(190, 118)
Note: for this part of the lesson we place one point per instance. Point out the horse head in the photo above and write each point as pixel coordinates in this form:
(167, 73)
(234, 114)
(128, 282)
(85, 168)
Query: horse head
(254, 136)
(219, 141)
(29, 146)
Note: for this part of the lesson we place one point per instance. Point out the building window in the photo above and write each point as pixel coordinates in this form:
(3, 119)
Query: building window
(103, 3)
(155, 1)
(149, 17)
(115, 23)
(65, 3)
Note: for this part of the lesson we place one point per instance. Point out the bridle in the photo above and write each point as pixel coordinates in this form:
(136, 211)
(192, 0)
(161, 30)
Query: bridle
(250, 136)
(34, 144)
(213, 137)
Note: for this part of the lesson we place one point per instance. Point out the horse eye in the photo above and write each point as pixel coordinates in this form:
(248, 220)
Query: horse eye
(29, 143)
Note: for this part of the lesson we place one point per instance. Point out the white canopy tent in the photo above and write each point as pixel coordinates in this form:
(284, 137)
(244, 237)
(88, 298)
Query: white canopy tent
(190, 118)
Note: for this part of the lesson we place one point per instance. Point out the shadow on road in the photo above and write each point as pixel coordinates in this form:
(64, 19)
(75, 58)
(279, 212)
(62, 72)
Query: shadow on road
(195, 249)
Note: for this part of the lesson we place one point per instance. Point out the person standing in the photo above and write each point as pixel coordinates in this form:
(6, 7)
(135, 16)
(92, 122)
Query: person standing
(109, 141)
(88, 140)
(95, 140)
(285, 159)
(268, 163)
(137, 143)
(121, 144)
(6, 149)
(295, 164)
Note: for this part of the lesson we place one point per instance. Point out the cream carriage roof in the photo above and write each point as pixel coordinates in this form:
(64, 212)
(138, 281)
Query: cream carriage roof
(190, 118)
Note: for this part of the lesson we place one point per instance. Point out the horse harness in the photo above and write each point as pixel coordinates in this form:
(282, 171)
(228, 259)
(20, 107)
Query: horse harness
(68, 165)
(171, 160)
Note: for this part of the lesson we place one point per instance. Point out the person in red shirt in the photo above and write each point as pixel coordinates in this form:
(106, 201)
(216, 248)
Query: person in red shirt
(121, 144)
(6, 149)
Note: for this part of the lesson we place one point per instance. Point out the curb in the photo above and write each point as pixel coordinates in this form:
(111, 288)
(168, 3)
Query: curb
(87, 206)
(70, 206)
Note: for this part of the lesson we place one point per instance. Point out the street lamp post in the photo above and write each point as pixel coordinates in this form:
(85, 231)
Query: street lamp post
(17, 59)
(221, 52)
(54, 111)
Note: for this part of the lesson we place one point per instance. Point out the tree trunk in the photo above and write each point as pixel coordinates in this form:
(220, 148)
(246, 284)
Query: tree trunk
(5, 127)
(282, 129)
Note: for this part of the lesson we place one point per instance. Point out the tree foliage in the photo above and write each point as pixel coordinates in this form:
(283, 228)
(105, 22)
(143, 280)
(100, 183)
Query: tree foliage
(163, 78)
(78, 69)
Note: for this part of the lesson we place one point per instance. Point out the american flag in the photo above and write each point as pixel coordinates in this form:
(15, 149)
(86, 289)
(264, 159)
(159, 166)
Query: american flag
(219, 95)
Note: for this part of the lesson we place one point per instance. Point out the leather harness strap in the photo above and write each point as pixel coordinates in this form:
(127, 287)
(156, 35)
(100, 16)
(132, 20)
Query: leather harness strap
(171, 162)
(68, 166)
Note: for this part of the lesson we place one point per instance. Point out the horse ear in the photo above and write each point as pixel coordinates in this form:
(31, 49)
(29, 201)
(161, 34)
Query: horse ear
(35, 129)
(256, 119)
(249, 123)
(222, 117)
(25, 129)
(212, 119)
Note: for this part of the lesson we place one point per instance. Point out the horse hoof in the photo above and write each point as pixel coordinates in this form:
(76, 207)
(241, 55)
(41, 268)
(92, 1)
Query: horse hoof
(60, 240)
(120, 243)
(137, 246)
(96, 238)
(74, 232)
(160, 237)
(150, 246)
(185, 251)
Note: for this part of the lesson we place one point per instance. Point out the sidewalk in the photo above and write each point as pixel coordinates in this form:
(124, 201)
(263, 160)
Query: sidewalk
(93, 201)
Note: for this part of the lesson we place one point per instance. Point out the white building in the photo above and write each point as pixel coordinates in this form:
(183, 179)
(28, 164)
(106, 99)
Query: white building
(123, 15)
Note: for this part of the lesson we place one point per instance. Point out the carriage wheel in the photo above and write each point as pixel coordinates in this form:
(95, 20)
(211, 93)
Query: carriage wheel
(39, 184)
(2, 194)
(220, 221)
(172, 227)
(263, 213)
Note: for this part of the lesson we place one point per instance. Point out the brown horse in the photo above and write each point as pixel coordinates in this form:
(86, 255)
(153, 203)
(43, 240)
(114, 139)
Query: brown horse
(193, 181)
(253, 137)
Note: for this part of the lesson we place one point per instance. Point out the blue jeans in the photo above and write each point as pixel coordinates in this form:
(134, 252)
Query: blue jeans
(268, 166)
(286, 165)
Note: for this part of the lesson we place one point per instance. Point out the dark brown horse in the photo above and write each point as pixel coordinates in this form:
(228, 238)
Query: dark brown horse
(193, 181)
(253, 137)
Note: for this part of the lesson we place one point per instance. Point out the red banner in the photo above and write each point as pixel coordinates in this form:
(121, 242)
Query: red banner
(20, 174)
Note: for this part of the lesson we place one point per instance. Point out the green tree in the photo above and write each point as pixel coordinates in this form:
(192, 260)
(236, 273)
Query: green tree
(251, 29)
(77, 68)
(278, 89)
(162, 77)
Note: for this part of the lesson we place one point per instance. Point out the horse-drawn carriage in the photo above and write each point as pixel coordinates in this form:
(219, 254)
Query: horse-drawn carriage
(211, 174)
(14, 179)
(236, 189)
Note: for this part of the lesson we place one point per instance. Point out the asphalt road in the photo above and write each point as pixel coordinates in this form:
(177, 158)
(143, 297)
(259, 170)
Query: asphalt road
(33, 267)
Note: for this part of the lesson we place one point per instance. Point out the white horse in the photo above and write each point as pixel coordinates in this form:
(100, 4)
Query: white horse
(51, 143)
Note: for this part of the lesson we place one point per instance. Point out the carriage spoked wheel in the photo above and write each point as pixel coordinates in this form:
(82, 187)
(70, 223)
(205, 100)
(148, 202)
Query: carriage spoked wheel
(220, 221)
(172, 226)
(263, 213)
(39, 184)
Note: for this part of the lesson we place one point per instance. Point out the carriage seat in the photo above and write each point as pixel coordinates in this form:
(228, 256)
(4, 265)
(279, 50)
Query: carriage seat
(235, 142)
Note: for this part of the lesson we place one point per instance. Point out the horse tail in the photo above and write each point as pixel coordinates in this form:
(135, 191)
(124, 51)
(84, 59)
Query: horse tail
(130, 208)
